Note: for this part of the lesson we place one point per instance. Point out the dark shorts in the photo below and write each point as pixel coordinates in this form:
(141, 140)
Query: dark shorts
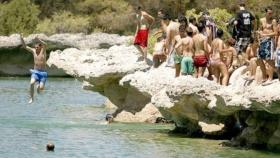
(266, 49)
(39, 75)
(242, 44)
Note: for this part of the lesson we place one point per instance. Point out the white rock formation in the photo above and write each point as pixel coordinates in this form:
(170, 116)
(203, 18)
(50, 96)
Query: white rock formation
(15, 61)
(131, 86)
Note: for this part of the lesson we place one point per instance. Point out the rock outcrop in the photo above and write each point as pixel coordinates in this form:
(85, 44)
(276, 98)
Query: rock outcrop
(101, 70)
(15, 61)
(243, 111)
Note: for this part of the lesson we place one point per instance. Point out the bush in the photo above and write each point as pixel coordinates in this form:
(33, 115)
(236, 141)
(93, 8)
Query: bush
(220, 16)
(18, 16)
(64, 22)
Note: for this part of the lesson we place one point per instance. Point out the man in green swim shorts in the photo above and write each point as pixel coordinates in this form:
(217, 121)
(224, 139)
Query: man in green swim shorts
(178, 49)
(187, 67)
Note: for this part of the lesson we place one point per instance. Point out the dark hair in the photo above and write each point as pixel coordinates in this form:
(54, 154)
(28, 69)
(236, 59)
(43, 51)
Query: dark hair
(267, 9)
(166, 16)
(182, 18)
(139, 8)
(231, 41)
(192, 19)
(200, 27)
(242, 4)
(206, 12)
(189, 31)
(163, 36)
(220, 33)
(182, 28)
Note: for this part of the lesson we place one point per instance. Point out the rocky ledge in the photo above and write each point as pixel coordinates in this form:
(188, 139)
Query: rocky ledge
(244, 112)
(15, 61)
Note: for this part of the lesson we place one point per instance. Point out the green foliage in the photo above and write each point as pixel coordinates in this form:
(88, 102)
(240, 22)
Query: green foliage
(18, 16)
(64, 22)
(220, 16)
(151, 42)
(110, 16)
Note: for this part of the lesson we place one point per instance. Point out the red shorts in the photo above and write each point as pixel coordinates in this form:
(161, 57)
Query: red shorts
(200, 61)
(141, 38)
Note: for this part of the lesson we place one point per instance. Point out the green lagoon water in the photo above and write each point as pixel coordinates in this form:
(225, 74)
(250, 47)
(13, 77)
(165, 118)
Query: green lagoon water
(72, 119)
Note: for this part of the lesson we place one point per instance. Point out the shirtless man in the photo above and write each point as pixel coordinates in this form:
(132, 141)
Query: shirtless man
(144, 22)
(178, 49)
(163, 26)
(200, 51)
(219, 67)
(172, 30)
(192, 24)
(267, 34)
(39, 73)
(277, 59)
(188, 52)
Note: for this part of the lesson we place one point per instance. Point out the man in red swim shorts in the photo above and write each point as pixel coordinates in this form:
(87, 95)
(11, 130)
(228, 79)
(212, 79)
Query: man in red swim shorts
(144, 22)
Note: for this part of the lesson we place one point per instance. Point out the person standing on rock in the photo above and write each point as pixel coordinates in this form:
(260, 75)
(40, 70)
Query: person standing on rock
(144, 22)
(266, 50)
(193, 24)
(172, 30)
(219, 68)
(178, 54)
(245, 24)
(200, 51)
(188, 52)
(38, 74)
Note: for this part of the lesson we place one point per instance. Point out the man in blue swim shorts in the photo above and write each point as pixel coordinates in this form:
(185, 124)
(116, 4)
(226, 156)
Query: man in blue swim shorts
(38, 74)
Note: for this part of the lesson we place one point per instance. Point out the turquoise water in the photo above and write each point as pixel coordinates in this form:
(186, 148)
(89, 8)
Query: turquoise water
(72, 119)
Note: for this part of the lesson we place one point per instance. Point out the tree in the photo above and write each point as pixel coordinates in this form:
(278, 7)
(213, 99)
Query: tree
(18, 16)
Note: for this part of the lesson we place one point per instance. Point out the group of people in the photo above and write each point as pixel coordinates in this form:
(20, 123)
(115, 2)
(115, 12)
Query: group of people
(193, 45)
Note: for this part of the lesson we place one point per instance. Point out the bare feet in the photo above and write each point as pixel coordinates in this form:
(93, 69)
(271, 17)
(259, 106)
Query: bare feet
(30, 101)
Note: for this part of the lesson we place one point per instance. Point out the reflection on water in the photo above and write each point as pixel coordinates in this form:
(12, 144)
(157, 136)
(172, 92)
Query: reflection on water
(72, 119)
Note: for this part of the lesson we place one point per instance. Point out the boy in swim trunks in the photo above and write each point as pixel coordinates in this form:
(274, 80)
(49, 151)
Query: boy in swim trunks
(188, 51)
(38, 74)
(178, 49)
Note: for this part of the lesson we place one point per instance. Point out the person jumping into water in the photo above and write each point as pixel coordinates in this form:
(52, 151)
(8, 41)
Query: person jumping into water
(38, 74)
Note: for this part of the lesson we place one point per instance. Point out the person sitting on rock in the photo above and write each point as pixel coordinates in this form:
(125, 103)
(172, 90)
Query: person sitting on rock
(39, 73)
(144, 22)
(251, 61)
(219, 68)
(159, 54)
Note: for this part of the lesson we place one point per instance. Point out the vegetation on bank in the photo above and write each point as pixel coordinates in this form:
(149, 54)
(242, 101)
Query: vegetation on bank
(111, 16)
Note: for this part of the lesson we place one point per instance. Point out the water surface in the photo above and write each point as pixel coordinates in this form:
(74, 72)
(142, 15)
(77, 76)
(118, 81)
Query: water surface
(72, 119)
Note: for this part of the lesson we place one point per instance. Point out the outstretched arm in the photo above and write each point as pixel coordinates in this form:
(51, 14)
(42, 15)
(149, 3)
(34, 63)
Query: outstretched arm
(25, 46)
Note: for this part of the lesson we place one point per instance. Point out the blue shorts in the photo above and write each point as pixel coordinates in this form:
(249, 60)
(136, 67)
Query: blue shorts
(39, 75)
